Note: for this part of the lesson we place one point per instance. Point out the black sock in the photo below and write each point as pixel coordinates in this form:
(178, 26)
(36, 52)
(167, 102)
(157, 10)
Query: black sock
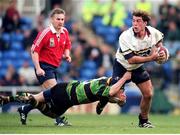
(141, 120)
(32, 104)
(28, 108)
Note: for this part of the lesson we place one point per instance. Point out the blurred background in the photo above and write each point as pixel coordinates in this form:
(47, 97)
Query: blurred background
(94, 27)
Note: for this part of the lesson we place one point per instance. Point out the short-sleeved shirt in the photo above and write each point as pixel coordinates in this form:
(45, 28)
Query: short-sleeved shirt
(129, 46)
(51, 46)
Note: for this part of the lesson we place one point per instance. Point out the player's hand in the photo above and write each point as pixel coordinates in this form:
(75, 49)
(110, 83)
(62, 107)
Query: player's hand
(161, 56)
(154, 54)
(68, 58)
(40, 72)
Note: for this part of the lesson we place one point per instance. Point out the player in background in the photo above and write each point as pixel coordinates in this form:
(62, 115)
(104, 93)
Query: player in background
(49, 48)
(138, 45)
(56, 100)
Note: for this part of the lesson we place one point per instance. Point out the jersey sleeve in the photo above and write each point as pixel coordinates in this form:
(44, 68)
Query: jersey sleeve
(157, 35)
(38, 42)
(103, 91)
(125, 46)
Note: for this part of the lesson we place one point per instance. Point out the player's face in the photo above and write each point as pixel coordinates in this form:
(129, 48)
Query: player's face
(138, 24)
(58, 21)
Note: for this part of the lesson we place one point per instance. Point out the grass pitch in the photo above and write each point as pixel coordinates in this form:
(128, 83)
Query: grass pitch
(89, 124)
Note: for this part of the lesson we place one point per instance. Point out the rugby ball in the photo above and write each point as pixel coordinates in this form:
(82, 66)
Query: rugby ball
(160, 49)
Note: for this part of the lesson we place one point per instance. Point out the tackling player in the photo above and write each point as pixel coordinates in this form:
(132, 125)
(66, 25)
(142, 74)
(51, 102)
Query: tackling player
(55, 101)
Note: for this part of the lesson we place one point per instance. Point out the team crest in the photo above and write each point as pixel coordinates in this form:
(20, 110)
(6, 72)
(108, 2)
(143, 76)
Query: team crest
(52, 43)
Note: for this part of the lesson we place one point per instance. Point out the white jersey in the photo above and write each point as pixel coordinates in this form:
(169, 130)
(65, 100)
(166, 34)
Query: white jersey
(129, 44)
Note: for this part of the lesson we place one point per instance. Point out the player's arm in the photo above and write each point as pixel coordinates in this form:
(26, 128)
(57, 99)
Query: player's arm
(67, 55)
(143, 59)
(117, 86)
(35, 59)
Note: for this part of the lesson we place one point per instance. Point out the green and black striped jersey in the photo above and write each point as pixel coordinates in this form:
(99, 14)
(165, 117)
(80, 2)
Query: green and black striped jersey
(87, 91)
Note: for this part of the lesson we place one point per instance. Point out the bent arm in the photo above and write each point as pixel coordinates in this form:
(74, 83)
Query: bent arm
(35, 59)
(117, 86)
(143, 59)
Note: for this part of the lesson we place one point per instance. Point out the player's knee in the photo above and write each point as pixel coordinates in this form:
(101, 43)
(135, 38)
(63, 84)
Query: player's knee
(148, 95)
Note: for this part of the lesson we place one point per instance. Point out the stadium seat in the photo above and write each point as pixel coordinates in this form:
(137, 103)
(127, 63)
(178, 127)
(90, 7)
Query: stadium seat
(17, 37)
(17, 63)
(9, 55)
(108, 73)
(128, 22)
(25, 55)
(6, 63)
(1, 55)
(86, 74)
(96, 22)
(101, 30)
(89, 65)
(16, 46)
(6, 37)
(27, 21)
(63, 69)
(3, 72)
(111, 39)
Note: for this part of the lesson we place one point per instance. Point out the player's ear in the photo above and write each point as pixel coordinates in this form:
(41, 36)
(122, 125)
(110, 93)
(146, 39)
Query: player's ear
(145, 22)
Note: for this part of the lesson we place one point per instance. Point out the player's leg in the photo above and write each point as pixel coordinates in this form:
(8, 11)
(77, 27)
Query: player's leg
(17, 98)
(147, 93)
(59, 102)
(47, 81)
(4, 100)
(142, 80)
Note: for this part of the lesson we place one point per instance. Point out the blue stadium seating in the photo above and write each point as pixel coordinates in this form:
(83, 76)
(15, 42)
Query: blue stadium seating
(3, 72)
(16, 46)
(17, 63)
(27, 22)
(25, 55)
(17, 37)
(6, 37)
(89, 64)
(9, 54)
(88, 70)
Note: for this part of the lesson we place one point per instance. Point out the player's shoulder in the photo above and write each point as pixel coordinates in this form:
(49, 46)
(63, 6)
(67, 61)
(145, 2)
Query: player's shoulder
(127, 33)
(63, 29)
(42, 34)
(152, 29)
(155, 32)
(45, 30)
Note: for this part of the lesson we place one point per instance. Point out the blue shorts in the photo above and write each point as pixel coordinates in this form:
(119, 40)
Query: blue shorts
(50, 72)
(139, 75)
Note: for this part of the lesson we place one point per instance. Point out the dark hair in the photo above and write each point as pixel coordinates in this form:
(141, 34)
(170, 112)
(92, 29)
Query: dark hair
(57, 11)
(145, 16)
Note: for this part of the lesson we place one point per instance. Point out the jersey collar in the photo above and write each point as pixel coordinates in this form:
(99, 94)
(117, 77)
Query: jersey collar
(54, 31)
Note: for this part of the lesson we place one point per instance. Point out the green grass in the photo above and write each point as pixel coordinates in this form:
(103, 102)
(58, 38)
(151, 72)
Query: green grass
(89, 124)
